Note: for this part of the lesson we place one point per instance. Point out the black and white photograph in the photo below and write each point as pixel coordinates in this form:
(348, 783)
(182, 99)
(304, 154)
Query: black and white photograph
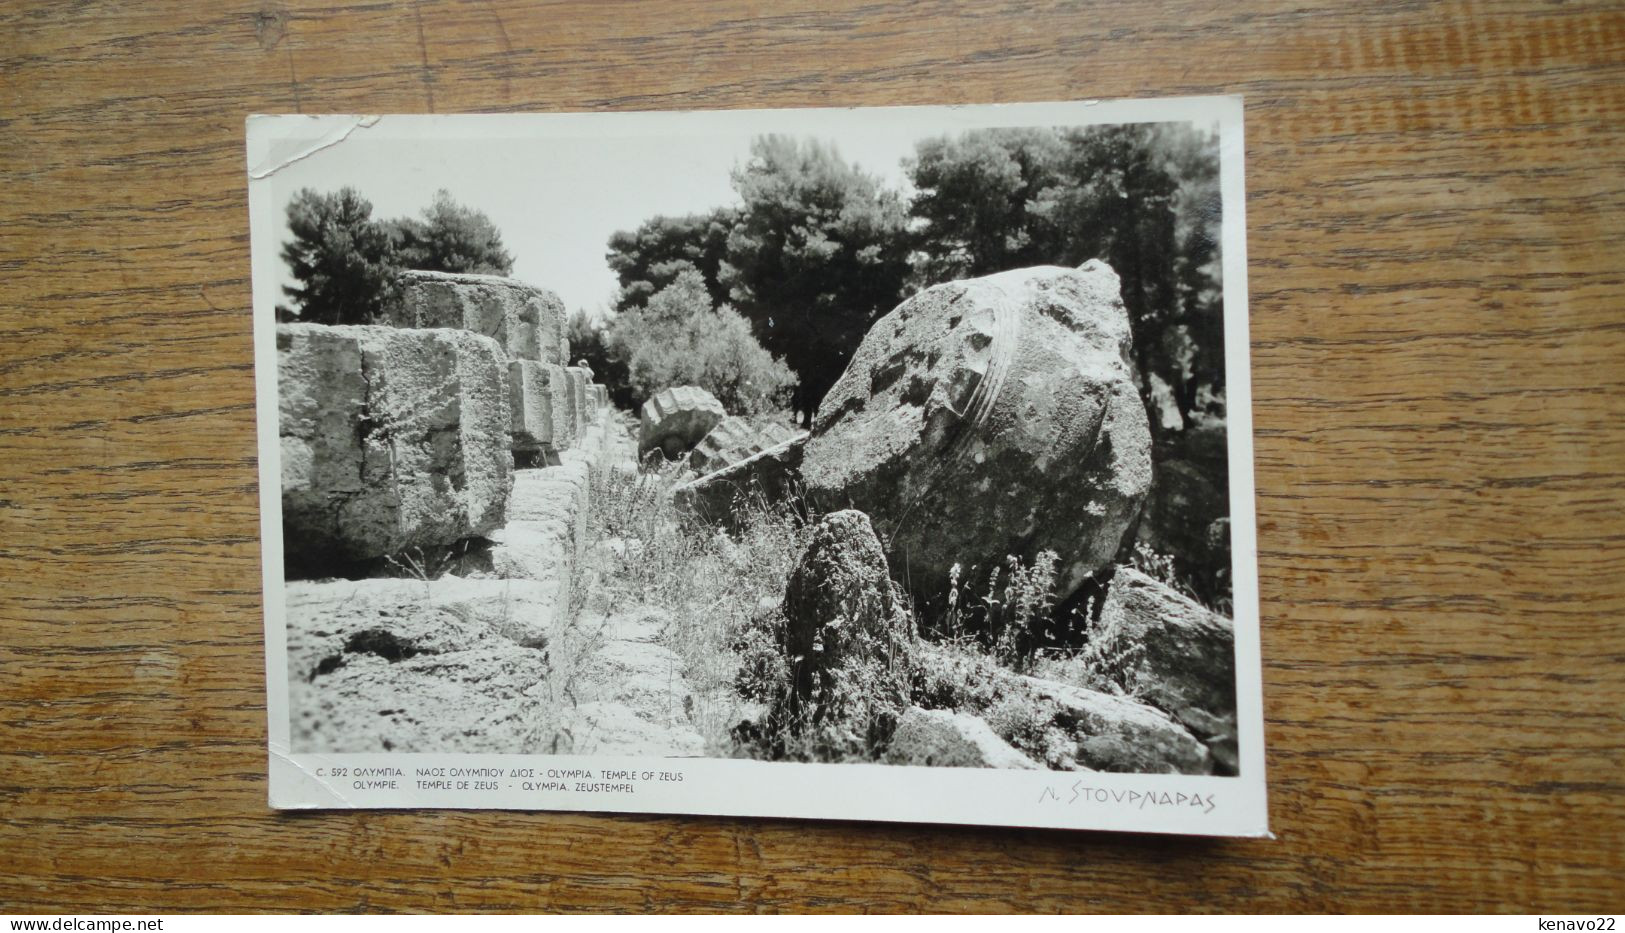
(871, 464)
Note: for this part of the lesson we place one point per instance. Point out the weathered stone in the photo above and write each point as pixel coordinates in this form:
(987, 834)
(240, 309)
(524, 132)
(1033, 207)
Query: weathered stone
(609, 728)
(847, 630)
(943, 739)
(415, 666)
(1178, 656)
(595, 403)
(1116, 733)
(566, 429)
(1187, 652)
(531, 387)
(577, 380)
(555, 493)
(645, 676)
(732, 440)
(991, 417)
(631, 695)
(1165, 650)
(599, 447)
(546, 532)
(526, 321)
(772, 476)
(323, 616)
(728, 442)
(391, 439)
(495, 664)
(1218, 733)
(772, 435)
(1062, 725)
(674, 420)
(527, 549)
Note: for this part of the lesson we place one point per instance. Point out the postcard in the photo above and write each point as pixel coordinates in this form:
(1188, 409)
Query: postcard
(879, 464)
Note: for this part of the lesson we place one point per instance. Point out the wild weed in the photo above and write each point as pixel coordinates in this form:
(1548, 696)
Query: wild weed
(1011, 615)
(1165, 569)
(644, 550)
(1111, 661)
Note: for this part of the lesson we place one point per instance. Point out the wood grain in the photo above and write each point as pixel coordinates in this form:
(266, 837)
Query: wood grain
(1437, 209)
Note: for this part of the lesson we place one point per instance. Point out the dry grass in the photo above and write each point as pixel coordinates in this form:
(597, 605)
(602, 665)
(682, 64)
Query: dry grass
(709, 583)
(556, 696)
(720, 592)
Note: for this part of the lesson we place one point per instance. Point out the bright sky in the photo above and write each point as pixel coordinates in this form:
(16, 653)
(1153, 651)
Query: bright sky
(558, 185)
(557, 201)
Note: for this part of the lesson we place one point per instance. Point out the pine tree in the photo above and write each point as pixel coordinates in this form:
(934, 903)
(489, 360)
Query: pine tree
(342, 261)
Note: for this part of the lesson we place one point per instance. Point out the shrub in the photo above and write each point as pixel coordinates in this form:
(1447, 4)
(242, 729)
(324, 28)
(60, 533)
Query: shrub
(1030, 726)
(451, 238)
(1163, 568)
(680, 339)
(1110, 661)
(589, 338)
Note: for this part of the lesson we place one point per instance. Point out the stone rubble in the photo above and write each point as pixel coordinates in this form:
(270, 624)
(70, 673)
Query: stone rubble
(408, 665)
(391, 439)
(401, 437)
(943, 739)
(529, 323)
(538, 407)
(674, 420)
(772, 476)
(980, 418)
(991, 417)
(732, 440)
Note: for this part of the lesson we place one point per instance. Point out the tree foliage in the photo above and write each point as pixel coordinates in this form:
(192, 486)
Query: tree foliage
(679, 338)
(816, 255)
(1145, 198)
(815, 251)
(343, 262)
(970, 207)
(589, 338)
(451, 238)
(651, 257)
(345, 265)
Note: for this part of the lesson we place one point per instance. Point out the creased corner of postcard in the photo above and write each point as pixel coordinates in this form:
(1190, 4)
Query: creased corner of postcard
(331, 138)
(333, 794)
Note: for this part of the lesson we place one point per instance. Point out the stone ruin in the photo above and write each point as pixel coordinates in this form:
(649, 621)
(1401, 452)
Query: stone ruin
(528, 323)
(673, 420)
(733, 440)
(981, 418)
(391, 439)
(451, 428)
(990, 417)
(404, 434)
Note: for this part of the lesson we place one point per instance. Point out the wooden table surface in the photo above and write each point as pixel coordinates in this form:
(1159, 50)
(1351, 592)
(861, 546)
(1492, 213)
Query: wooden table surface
(1437, 216)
